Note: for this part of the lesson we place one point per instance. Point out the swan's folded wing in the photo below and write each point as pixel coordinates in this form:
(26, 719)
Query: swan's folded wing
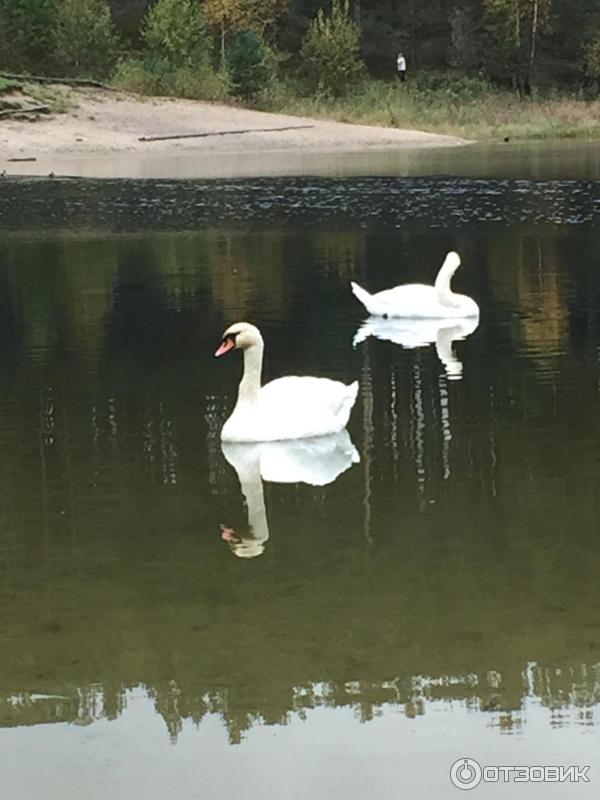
(406, 301)
(304, 393)
(306, 406)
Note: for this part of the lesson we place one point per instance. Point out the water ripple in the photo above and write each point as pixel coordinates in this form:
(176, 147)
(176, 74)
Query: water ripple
(375, 201)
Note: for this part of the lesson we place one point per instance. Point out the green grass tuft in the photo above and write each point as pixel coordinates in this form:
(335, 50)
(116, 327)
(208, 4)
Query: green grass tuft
(8, 84)
(438, 103)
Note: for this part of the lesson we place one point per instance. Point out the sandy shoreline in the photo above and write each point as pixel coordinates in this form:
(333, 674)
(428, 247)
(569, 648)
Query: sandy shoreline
(104, 129)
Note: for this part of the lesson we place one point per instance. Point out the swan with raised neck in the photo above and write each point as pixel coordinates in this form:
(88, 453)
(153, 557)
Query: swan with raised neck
(421, 301)
(294, 407)
(247, 338)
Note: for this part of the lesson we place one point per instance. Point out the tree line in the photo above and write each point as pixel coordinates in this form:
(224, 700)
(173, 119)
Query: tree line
(215, 48)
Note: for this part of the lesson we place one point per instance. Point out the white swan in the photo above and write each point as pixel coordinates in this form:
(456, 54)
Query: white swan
(419, 333)
(286, 408)
(420, 301)
(313, 461)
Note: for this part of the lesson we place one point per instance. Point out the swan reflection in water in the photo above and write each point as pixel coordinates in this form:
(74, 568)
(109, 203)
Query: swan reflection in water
(313, 461)
(419, 333)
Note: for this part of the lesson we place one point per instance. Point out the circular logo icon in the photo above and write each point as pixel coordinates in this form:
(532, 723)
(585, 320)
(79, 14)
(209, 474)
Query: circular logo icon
(465, 773)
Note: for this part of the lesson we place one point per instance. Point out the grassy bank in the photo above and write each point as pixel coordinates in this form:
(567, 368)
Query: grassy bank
(17, 97)
(438, 102)
(247, 53)
(435, 102)
(469, 108)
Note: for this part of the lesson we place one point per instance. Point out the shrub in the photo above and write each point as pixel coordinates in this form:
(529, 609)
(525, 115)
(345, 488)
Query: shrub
(199, 84)
(175, 35)
(591, 56)
(331, 49)
(26, 28)
(248, 65)
(177, 57)
(86, 44)
(448, 86)
(156, 78)
(4, 55)
(131, 75)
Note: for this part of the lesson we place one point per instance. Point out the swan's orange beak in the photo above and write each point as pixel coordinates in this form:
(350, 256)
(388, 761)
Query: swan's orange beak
(229, 535)
(225, 346)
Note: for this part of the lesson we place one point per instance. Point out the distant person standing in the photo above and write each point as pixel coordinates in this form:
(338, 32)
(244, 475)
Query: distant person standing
(401, 67)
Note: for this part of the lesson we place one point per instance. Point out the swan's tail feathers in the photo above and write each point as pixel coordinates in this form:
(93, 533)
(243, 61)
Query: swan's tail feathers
(352, 393)
(359, 337)
(360, 294)
(351, 396)
(347, 400)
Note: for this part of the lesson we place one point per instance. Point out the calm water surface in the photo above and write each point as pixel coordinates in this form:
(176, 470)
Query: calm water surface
(438, 599)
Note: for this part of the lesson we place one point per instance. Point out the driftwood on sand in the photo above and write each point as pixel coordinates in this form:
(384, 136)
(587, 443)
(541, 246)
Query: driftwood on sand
(15, 112)
(218, 133)
(66, 81)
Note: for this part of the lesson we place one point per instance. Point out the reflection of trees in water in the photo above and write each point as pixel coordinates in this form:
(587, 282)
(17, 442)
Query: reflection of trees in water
(415, 413)
(528, 277)
(542, 299)
(160, 446)
(571, 695)
(110, 425)
(80, 706)
(246, 272)
(340, 253)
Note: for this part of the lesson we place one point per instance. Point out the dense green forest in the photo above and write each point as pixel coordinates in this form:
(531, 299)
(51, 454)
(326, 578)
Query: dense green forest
(278, 53)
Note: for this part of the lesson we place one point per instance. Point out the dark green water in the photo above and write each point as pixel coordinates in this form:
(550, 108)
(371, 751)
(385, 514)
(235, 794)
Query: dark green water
(439, 599)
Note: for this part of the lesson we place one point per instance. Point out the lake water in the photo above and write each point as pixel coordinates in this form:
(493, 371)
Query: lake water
(174, 626)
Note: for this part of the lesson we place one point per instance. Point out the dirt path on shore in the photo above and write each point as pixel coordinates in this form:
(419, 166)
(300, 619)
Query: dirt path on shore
(111, 124)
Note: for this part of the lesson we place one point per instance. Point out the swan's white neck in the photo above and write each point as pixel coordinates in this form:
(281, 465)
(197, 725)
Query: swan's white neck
(247, 465)
(250, 383)
(442, 283)
(252, 489)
